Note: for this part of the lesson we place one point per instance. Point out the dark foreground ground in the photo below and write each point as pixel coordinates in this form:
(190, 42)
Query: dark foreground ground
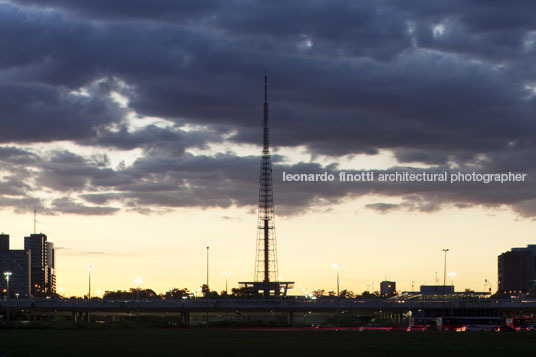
(226, 342)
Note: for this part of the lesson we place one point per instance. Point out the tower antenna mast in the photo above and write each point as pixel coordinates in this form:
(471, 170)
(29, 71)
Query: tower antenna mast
(266, 279)
(266, 269)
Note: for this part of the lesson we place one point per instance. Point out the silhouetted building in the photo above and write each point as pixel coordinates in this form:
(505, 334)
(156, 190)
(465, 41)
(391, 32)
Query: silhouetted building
(17, 262)
(42, 264)
(51, 256)
(517, 271)
(437, 289)
(438, 292)
(388, 288)
(4, 242)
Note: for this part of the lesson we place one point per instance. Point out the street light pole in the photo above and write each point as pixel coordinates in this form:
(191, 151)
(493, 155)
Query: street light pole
(138, 282)
(226, 274)
(338, 268)
(445, 272)
(338, 282)
(89, 284)
(7, 274)
(452, 275)
(208, 289)
(207, 269)
(444, 282)
(89, 267)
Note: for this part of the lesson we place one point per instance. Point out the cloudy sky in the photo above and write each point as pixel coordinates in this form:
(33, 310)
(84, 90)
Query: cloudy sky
(133, 128)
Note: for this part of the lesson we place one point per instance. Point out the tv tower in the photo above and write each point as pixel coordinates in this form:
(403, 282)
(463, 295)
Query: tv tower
(266, 279)
(266, 257)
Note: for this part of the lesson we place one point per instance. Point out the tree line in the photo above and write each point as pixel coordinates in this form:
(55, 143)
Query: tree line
(204, 291)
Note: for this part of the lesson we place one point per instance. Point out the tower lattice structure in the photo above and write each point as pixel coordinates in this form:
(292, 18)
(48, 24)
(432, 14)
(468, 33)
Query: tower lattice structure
(266, 254)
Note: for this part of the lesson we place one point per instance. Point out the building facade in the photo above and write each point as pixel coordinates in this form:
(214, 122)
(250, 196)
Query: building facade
(436, 289)
(43, 275)
(4, 242)
(387, 288)
(18, 263)
(517, 271)
(51, 268)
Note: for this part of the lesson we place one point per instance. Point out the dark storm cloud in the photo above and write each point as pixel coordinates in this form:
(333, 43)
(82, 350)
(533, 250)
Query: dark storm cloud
(383, 207)
(65, 205)
(132, 9)
(64, 171)
(11, 154)
(12, 186)
(22, 204)
(36, 112)
(337, 96)
(158, 183)
(153, 139)
(446, 83)
(230, 180)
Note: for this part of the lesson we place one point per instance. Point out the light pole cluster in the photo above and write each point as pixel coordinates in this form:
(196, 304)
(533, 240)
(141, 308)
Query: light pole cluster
(7, 274)
(337, 267)
(444, 281)
(445, 272)
(89, 267)
(452, 275)
(371, 284)
(226, 274)
(138, 282)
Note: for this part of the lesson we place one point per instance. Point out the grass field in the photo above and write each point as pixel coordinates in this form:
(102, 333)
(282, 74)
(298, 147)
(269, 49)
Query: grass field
(226, 342)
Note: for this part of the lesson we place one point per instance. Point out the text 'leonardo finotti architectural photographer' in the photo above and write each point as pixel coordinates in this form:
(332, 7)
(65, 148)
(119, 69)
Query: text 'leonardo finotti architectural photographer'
(404, 176)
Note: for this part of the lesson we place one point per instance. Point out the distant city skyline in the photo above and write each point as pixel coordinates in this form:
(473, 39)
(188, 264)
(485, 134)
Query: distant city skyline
(403, 265)
(134, 131)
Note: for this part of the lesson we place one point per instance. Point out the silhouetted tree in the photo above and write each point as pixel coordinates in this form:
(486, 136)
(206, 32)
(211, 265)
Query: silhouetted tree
(119, 295)
(347, 294)
(131, 294)
(205, 290)
(369, 295)
(177, 293)
(148, 294)
(319, 292)
(244, 292)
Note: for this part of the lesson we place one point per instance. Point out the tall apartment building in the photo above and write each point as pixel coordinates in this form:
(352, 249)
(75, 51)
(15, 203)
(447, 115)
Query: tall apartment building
(517, 271)
(51, 256)
(18, 263)
(42, 256)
